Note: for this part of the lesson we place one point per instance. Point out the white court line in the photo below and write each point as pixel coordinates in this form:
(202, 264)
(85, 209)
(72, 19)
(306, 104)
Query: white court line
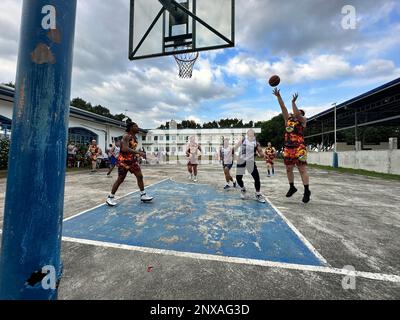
(298, 233)
(200, 256)
(104, 204)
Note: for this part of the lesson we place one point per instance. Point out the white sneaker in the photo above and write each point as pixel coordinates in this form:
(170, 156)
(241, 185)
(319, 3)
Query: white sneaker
(195, 179)
(111, 201)
(243, 193)
(190, 177)
(260, 198)
(145, 198)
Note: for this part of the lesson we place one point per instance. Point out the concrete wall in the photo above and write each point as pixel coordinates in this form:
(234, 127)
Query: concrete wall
(321, 158)
(342, 146)
(384, 161)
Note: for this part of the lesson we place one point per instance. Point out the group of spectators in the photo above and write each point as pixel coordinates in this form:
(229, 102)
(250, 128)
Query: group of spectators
(83, 155)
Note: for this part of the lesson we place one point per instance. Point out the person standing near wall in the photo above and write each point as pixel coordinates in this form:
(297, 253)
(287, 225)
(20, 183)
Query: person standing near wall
(270, 155)
(93, 153)
(71, 154)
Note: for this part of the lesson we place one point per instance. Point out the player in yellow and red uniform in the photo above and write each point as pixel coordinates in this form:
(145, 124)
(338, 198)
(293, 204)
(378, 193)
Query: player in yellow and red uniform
(295, 152)
(128, 161)
(270, 155)
(93, 152)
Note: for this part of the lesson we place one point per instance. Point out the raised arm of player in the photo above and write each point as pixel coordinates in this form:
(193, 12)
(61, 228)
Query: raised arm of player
(285, 113)
(296, 110)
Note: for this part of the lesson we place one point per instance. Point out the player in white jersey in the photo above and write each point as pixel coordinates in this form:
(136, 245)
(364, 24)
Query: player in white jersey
(193, 150)
(226, 155)
(249, 147)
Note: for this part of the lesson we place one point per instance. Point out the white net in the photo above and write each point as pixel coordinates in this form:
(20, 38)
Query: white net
(186, 63)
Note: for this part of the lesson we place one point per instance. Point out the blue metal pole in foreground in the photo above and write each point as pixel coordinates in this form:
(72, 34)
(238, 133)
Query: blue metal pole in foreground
(30, 263)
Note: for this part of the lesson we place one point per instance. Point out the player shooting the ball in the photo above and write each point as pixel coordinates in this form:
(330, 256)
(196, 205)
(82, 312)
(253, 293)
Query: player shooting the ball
(295, 151)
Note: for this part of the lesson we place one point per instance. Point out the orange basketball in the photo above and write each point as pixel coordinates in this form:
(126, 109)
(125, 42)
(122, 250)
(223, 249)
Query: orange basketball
(274, 81)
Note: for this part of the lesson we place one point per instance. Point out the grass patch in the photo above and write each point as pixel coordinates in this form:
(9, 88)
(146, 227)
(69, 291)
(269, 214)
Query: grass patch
(361, 172)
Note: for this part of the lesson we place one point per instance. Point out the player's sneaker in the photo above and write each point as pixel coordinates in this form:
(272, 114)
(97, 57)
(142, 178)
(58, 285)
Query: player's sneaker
(195, 179)
(243, 193)
(291, 192)
(260, 198)
(190, 177)
(235, 184)
(111, 201)
(306, 197)
(145, 198)
(227, 187)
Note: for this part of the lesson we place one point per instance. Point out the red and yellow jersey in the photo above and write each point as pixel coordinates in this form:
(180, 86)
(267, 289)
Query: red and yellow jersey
(128, 156)
(94, 150)
(270, 153)
(294, 135)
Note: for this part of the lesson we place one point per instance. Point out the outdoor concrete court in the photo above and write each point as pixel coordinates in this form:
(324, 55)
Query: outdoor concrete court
(215, 246)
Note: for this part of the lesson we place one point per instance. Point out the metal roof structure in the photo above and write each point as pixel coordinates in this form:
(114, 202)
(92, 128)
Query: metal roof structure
(379, 107)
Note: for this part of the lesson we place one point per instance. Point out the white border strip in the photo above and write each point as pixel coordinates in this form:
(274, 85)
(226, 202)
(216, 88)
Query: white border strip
(298, 233)
(343, 272)
(103, 204)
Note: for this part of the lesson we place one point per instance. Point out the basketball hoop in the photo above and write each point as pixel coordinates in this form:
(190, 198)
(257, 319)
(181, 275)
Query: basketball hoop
(186, 63)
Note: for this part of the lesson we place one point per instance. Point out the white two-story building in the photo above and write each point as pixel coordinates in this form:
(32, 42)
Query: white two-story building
(173, 141)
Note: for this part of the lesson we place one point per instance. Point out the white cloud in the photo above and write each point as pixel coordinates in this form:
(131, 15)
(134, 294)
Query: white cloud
(322, 67)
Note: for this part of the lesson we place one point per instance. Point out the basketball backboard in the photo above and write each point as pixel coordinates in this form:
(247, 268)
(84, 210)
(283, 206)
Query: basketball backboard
(170, 27)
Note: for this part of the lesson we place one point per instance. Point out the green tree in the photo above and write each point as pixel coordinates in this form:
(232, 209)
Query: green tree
(4, 149)
(103, 111)
(273, 131)
(10, 84)
(121, 117)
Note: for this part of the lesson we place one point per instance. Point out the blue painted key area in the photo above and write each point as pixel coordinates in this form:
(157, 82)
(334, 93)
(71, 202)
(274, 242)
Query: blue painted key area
(194, 218)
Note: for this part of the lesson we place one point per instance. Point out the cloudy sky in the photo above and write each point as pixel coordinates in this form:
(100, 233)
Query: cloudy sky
(301, 40)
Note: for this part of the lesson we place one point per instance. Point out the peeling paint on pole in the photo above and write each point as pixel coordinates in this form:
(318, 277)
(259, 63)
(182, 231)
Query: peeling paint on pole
(31, 238)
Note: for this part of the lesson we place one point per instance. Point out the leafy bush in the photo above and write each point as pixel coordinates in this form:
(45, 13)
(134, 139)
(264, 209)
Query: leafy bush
(4, 149)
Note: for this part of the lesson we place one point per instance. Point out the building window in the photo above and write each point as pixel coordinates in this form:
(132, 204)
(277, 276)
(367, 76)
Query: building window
(180, 149)
(155, 138)
(143, 138)
(161, 138)
(149, 149)
(81, 136)
(173, 138)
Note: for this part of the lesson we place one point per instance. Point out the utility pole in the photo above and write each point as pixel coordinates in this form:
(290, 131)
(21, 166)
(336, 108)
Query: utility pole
(335, 155)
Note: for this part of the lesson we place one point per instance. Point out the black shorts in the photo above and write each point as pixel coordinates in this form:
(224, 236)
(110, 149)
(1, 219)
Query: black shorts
(229, 166)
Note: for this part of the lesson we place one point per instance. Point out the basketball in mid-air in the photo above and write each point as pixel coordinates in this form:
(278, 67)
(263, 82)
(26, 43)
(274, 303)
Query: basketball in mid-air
(274, 81)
